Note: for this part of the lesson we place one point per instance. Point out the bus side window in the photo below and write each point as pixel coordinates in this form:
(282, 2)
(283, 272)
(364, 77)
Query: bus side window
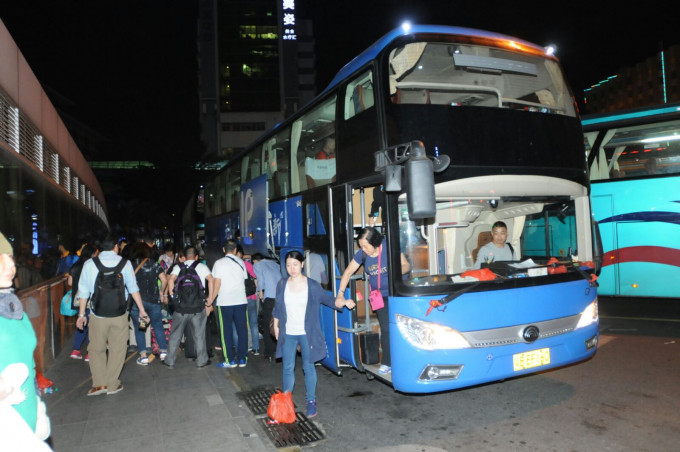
(359, 95)
(313, 143)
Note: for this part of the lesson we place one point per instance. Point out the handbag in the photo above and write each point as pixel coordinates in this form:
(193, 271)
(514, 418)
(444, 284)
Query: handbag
(281, 408)
(248, 281)
(375, 297)
(66, 308)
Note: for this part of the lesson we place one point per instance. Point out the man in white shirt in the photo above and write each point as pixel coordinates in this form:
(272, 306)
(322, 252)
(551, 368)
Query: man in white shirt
(229, 273)
(196, 317)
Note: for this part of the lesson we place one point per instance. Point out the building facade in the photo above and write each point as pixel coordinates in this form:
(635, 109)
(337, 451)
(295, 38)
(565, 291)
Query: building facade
(263, 69)
(654, 81)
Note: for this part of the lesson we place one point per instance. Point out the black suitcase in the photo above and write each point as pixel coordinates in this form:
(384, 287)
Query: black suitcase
(370, 347)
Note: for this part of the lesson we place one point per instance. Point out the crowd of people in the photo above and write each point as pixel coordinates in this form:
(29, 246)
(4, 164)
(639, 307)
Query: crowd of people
(193, 299)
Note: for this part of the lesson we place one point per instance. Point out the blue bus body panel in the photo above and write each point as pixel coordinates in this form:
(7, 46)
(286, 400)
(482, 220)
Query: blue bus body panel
(639, 224)
(253, 215)
(471, 312)
(287, 222)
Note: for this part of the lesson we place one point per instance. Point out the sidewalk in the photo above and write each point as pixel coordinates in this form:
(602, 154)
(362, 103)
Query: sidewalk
(160, 409)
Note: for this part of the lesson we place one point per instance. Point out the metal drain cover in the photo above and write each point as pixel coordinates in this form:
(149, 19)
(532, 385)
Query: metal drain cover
(257, 399)
(302, 432)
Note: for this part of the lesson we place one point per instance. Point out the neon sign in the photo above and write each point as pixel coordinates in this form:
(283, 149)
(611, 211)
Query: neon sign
(288, 20)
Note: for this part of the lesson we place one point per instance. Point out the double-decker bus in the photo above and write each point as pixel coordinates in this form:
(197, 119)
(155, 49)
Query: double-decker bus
(442, 131)
(634, 159)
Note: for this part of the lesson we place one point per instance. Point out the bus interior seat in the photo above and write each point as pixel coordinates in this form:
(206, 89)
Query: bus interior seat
(362, 98)
(482, 239)
(480, 236)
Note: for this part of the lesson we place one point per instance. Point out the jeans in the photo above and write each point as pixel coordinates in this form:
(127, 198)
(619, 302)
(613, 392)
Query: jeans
(236, 315)
(81, 335)
(179, 323)
(289, 354)
(252, 324)
(154, 312)
(254, 339)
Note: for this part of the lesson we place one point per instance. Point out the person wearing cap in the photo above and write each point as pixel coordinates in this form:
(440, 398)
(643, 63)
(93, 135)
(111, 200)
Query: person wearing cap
(18, 391)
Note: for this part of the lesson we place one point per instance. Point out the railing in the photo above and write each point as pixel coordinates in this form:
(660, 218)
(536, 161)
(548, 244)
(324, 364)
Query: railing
(41, 304)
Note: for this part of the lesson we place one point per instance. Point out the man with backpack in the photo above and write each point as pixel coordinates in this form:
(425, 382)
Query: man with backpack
(187, 290)
(106, 281)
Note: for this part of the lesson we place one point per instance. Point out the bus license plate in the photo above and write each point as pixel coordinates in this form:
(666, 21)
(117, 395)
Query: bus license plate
(534, 358)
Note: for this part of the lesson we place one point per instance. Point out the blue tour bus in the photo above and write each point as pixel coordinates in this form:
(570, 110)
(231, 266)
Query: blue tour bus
(634, 159)
(439, 132)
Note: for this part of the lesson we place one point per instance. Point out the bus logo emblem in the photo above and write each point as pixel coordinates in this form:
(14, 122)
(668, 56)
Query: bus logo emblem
(530, 333)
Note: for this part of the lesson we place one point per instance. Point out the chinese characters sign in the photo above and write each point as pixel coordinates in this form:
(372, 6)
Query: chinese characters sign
(288, 20)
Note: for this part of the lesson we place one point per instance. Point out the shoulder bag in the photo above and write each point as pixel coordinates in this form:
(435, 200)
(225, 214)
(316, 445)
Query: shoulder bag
(375, 297)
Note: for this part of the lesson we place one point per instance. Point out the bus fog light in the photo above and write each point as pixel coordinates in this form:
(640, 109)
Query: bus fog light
(432, 372)
(591, 343)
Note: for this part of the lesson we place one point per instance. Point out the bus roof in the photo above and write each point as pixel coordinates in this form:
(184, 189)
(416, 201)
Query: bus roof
(635, 114)
(374, 50)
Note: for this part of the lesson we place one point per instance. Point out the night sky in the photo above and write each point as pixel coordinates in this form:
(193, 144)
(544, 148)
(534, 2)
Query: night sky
(126, 69)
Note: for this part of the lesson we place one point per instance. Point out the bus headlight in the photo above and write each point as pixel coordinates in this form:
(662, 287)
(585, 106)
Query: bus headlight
(588, 316)
(430, 336)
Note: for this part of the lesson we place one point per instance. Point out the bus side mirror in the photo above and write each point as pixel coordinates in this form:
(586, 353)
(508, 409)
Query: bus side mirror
(420, 184)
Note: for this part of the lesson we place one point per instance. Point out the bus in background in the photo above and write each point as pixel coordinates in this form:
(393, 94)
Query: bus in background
(634, 160)
(432, 135)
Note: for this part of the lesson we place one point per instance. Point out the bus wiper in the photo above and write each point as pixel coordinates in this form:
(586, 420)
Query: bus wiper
(447, 299)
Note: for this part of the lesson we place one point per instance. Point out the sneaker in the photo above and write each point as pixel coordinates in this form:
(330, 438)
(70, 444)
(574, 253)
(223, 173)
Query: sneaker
(242, 362)
(117, 390)
(75, 354)
(207, 363)
(96, 390)
(87, 358)
(384, 369)
(227, 365)
(311, 408)
(218, 347)
(163, 355)
(256, 353)
(169, 366)
(143, 361)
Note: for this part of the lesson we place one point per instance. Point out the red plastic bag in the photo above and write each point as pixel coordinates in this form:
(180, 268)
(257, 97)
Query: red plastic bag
(281, 408)
(483, 274)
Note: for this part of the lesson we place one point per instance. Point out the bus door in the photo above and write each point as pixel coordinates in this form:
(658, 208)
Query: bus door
(360, 205)
(319, 265)
(342, 252)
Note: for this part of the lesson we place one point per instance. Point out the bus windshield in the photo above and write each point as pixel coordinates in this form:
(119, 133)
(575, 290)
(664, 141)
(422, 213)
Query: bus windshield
(474, 75)
(538, 230)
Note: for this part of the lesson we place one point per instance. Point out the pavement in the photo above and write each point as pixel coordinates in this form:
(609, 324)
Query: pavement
(159, 409)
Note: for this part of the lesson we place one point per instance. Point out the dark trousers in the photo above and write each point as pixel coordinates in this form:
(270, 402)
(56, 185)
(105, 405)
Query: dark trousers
(269, 341)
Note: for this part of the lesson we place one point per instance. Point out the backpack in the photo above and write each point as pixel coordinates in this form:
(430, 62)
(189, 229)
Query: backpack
(249, 281)
(189, 295)
(108, 299)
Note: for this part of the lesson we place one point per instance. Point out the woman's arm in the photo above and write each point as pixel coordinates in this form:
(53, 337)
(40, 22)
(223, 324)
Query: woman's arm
(344, 281)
